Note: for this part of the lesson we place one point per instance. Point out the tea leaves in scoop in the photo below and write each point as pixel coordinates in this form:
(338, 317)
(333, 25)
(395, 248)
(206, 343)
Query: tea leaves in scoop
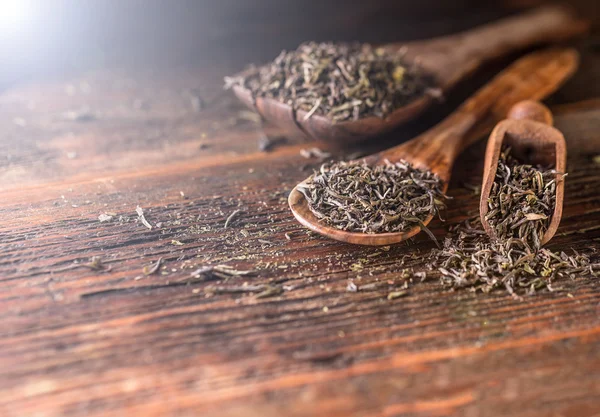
(522, 200)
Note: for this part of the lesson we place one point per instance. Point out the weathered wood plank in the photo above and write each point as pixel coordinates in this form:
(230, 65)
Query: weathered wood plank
(76, 341)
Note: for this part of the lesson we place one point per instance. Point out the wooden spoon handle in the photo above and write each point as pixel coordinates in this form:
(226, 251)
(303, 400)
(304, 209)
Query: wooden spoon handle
(531, 110)
(453, 57)
(534, 77)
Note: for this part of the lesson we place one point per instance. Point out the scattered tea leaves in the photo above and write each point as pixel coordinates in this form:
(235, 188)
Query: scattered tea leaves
(469, 259)
(422, 276)
(270, 291)
(231, 217)
(96, 264)
(142, 218)
(105, 218)
(264, 291)
(232, 289)
(397, 294)
(369, 287)
(152, 269)
(217, 272)
(314, 152)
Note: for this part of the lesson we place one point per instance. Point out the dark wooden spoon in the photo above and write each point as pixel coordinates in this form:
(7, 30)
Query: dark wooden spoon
(534, 76)
(448, 59)
(529, 132)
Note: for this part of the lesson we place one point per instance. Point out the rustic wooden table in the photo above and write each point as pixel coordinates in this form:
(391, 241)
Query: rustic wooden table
(83, 337)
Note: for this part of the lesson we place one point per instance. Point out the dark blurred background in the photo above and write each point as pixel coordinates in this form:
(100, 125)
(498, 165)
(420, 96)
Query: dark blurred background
(46, 38)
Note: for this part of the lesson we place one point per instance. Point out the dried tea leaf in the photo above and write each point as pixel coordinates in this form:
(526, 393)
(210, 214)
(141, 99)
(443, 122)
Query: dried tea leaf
(152, 269)
(231, 217)
(217, 272)
(270, 291)
(397, 294)
(96, 264)
(314, 152)
(233, 289)
(142, 218)
(105, 218)
(535, 216)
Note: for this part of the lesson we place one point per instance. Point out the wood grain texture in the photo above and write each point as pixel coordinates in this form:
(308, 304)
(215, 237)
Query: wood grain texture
(80, 342)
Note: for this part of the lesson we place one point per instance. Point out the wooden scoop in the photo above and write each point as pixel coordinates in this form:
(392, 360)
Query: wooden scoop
(529, 132)
(448, 59)
(532, 77)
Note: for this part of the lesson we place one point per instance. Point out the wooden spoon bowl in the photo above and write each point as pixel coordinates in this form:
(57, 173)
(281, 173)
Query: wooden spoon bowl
(447, 59)
(529, 132)
(532, 77)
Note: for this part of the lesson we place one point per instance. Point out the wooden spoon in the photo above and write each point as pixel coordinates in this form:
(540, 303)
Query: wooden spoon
(448, 59)
(532, 77)
(529, 132)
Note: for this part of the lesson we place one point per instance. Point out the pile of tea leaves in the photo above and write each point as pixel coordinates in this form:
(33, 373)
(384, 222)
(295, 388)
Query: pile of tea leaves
(356, 197)
(339, 81)
(522, 200)
(470, 259)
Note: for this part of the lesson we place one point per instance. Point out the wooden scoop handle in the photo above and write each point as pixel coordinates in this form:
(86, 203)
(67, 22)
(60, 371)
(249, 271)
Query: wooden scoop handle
(534, 76)
(531, 110)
